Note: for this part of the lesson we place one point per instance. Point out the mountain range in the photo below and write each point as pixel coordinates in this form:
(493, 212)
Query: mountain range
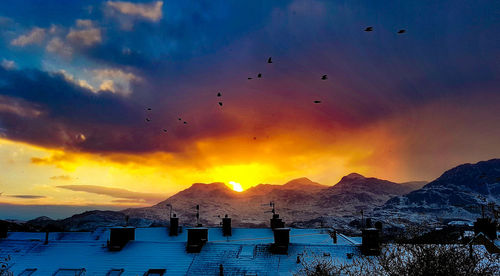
(455, 195)
(296, 201)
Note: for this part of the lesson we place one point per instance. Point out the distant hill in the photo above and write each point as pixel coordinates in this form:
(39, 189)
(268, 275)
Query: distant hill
(86, 221)
(456, 193)
(414, 185)
(355, 192)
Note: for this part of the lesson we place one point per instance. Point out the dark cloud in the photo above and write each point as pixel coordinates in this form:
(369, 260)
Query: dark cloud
(201, 47)
(26, 196)
(70, 116)
(131, 201)
(121, 194)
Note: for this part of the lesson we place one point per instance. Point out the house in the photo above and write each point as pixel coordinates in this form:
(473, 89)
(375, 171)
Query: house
(153, 251)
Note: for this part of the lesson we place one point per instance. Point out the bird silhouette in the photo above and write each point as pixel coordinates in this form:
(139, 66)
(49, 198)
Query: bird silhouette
(369, 29)
(402, 31)
(219, 94)
(249, 78)
(220, 103)
(164, 130)
(148, 120)
(185, 122)
(270, 60)
(149, 108)
(179, 119)
(317, 102)
(324, 77)
(259, 75)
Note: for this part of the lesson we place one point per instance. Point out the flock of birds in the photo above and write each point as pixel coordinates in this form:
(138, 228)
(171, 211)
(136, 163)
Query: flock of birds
(259, 75)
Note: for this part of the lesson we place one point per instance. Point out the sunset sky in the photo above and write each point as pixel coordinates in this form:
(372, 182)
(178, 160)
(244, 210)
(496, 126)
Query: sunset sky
(77, 79)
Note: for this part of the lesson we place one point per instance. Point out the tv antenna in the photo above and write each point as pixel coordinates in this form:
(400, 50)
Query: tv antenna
(170, 214)
(198, 215)
(272, 205)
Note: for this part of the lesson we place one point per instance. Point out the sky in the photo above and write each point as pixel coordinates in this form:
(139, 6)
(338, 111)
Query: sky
(77, 80)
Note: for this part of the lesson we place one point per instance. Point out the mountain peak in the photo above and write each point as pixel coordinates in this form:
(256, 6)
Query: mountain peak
(215, 189)
(213, 185)
(353, 176)
(301, 182)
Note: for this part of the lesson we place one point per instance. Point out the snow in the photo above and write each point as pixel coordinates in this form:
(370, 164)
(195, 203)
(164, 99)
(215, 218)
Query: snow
(246, 252)
(461, 223)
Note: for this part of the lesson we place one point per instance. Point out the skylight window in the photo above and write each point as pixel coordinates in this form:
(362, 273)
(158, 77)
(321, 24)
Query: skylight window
(27, 272)
(115, 272)
(155, 272)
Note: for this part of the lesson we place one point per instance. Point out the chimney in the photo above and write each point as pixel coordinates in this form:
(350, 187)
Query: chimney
(120, 236)
(487, 226)
(4, 228)
(174, 225)
(226, 226)
(197, 237)
(281, 241)
(368, 223)
(49, 228)
(46, 237)
(276, 222)
(370, 245)
(334, 236)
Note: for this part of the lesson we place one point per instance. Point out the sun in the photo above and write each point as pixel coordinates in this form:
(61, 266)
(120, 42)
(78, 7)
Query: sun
(236, 186)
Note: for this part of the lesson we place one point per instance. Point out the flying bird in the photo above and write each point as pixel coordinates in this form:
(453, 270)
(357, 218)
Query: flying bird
(259, 75)
(324, 77)
(220, 103)
(219, 94)
(149, 108)
(249, 78)
(164, 130)
(148, 120)
(402, 31)
(270, 60)
(185, 122)
(369, 29)
(179, 119)
(317, 102)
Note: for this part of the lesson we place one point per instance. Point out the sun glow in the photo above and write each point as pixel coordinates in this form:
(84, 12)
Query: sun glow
(236, 186)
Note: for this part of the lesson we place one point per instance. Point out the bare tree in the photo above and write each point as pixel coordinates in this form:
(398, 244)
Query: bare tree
(4, 266)
(410, 260)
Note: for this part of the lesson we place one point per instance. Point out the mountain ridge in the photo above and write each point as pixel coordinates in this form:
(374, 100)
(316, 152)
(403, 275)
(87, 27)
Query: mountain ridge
(458, 192)
(305, 203)
(297, 200)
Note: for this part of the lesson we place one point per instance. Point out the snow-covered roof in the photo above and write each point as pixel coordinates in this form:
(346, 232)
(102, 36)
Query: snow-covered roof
(245, 252)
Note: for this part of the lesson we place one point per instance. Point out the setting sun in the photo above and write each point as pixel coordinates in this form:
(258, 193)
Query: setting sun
(236, 186)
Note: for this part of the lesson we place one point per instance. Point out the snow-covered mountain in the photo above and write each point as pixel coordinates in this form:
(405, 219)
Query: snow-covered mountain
(457, 193)
(297, 201)
(355, 192)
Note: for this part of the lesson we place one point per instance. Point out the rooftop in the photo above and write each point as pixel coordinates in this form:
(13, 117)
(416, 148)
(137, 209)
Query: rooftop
(245, 252)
